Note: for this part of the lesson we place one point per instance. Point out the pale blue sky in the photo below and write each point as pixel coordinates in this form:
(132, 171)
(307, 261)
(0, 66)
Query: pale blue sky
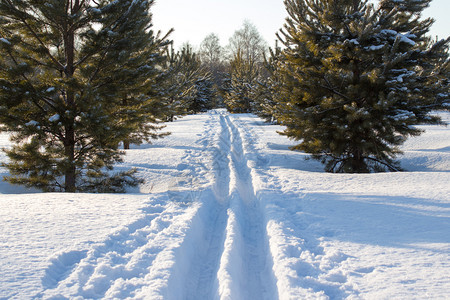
(195, 19)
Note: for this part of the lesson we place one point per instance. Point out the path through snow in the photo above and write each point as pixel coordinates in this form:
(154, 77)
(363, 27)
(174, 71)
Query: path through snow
(214, 247)
(233, 214)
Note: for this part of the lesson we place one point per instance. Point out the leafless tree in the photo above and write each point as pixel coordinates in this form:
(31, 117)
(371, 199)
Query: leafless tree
(248, 42)
(211, 52)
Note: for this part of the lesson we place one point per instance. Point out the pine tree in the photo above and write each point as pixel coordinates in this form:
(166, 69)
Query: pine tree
(267, 85)
(430, 57)
(356, 80)
(183, 70)
(243, 75)
(247, 51)
(212, 57)
(204, 96)
(74, 80)
(141, 105)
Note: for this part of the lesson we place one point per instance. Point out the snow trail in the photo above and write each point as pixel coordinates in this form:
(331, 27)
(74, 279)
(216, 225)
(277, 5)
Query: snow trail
(207, 236)
(228, 212)
(302, 267)
(201, 279)
(231, 258)
(212, 246)
(246, 266)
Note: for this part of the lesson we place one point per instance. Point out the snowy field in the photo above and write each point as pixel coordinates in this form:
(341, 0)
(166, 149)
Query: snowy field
(228, 212)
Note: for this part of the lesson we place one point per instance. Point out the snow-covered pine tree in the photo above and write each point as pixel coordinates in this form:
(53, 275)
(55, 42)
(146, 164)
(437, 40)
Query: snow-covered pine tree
(247, 49)
(204, 96)
(212, 57)
(199, 91)
(443, 83)
(243, 75)
(141, 105)
(357, 79)
(264, 95)
(182, 70)
(68, 69)
(428, 58)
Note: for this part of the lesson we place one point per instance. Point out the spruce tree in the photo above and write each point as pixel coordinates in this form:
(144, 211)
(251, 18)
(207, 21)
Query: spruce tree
(75, 80)
(356, 79)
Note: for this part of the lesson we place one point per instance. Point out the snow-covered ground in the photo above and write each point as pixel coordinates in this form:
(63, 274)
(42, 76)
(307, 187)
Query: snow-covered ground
(228, 212)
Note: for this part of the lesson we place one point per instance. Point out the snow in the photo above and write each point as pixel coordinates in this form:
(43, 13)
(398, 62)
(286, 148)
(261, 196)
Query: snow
(95, 10)
(3, 40)
(54, 118)
(229, 212)
(389, 32)
(375, 47)
(32, 123)
(405, 39)
(403, 115)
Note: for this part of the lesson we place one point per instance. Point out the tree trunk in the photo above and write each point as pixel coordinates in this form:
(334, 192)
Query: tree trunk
(69, 141)
(126, 142)
(357, 162)
(70, 171)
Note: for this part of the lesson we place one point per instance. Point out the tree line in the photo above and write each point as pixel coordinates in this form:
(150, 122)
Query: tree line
(80, 79)
(350, 80)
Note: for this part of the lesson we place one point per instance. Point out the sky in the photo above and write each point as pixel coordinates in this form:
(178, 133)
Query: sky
(193, 20)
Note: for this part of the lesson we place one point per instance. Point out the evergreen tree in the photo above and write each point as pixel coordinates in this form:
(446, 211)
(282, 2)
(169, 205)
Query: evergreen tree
(172, 85)
(267, 85)
(74, 80)
(357, 79)
(204, 96)
(141, 105)
(247, 51)
(429, 56)
(182, 78)
(243, 75)
(212, 57)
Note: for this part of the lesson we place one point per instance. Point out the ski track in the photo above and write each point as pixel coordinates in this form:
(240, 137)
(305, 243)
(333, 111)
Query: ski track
(202, 282)
(225, 239)
(255, 280)
(316, 274)
(231, 259)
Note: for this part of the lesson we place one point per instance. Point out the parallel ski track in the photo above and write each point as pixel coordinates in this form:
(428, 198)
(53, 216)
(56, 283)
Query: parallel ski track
(202, 281)
(232, 258)
(257, 264)
(317, 275)
(215, 247)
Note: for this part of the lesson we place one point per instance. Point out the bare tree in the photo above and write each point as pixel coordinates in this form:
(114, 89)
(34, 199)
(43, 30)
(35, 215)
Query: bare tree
(212, 56)
(211, 52)
(246, 55)
(248, 42)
